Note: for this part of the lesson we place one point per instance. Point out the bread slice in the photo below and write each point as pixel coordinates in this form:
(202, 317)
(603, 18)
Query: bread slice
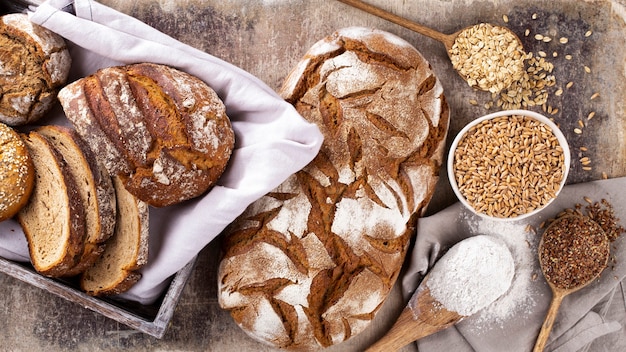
(95, 189)
(53, 220)
(126, 251)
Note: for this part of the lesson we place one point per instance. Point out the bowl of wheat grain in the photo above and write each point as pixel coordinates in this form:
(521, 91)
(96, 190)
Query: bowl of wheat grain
(508, 165)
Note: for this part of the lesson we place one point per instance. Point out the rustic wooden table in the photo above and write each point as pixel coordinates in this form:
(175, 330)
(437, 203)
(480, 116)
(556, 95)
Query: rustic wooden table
(267, 38)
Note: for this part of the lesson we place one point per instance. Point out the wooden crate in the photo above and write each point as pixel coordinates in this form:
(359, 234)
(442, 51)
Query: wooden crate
(152, 320)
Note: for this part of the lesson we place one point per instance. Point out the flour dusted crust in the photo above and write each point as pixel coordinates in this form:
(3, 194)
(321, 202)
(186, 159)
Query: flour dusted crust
(165, 133)
(309, 264)
(34, 63)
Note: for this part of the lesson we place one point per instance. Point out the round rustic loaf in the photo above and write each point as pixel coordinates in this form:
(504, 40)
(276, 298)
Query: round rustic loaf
(34, 63)
(164, 132)
(17, 173)
(310, 263)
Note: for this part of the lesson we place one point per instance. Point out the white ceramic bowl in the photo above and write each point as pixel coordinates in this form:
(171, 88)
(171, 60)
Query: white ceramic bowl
(530, 114)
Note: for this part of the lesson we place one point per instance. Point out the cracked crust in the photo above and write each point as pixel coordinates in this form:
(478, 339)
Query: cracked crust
(311, 263)
(163, 132)
(34, 63)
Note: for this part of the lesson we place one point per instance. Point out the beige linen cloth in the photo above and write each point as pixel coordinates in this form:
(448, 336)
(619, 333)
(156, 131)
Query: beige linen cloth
(512, 323)
(272, 140)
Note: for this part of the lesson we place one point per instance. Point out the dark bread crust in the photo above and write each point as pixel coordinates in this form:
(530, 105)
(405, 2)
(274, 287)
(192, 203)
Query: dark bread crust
(166, 133)
(310, 264)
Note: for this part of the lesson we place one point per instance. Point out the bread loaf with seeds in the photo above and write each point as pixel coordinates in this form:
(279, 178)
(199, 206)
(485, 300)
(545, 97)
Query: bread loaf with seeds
(310, 264)
(164, 132)
(17, 174)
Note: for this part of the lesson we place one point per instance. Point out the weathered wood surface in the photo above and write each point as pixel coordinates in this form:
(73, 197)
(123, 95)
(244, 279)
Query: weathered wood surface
(267, 38)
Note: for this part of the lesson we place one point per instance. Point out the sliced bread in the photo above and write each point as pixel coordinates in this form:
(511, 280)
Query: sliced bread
(126, 251)
(53, 220)
(95, 189)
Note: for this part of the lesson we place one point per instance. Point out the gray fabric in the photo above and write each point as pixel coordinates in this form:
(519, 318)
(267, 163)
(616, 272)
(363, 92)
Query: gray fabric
(583, 315)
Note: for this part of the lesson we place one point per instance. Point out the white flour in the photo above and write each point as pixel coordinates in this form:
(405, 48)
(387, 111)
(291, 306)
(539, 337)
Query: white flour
(472, 274)
(519, 298)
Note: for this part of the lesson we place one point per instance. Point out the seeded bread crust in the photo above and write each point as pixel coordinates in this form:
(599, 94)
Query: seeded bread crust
(34, 63)
(54, 219)
(310, 264)
(95, 188)
(163, 132)
(126, 251)
(17, 173)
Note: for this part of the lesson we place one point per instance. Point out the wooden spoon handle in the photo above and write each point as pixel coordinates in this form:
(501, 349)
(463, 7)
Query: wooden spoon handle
(408, 328)
(546, 328)
(447, 40)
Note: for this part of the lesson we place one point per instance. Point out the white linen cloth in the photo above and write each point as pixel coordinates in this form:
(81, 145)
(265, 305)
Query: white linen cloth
(272, 140)
(583, 317)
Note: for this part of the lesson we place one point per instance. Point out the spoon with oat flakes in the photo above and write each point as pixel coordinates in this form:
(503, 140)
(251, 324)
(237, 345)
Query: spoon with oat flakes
(486, 56)
(573, 251)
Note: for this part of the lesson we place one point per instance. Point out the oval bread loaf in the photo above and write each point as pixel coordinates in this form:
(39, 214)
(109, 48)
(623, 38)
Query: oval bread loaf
(310, 264)
(164, 132)
(34, 63)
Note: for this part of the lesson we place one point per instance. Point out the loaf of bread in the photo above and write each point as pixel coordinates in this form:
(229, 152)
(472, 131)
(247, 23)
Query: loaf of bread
(34, 63)
(309, 264)
(94, 187)
(53, 220)
(126, 251)
(164, 132)
(17, 174)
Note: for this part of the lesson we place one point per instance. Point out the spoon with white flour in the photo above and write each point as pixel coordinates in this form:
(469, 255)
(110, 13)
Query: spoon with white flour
(488, 57)
(470, 276)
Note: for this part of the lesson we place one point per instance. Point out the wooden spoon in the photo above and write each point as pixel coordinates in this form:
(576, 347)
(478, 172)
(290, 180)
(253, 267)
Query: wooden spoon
(467, 266)
(423, 316)
(559, 288)
(447, 40)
